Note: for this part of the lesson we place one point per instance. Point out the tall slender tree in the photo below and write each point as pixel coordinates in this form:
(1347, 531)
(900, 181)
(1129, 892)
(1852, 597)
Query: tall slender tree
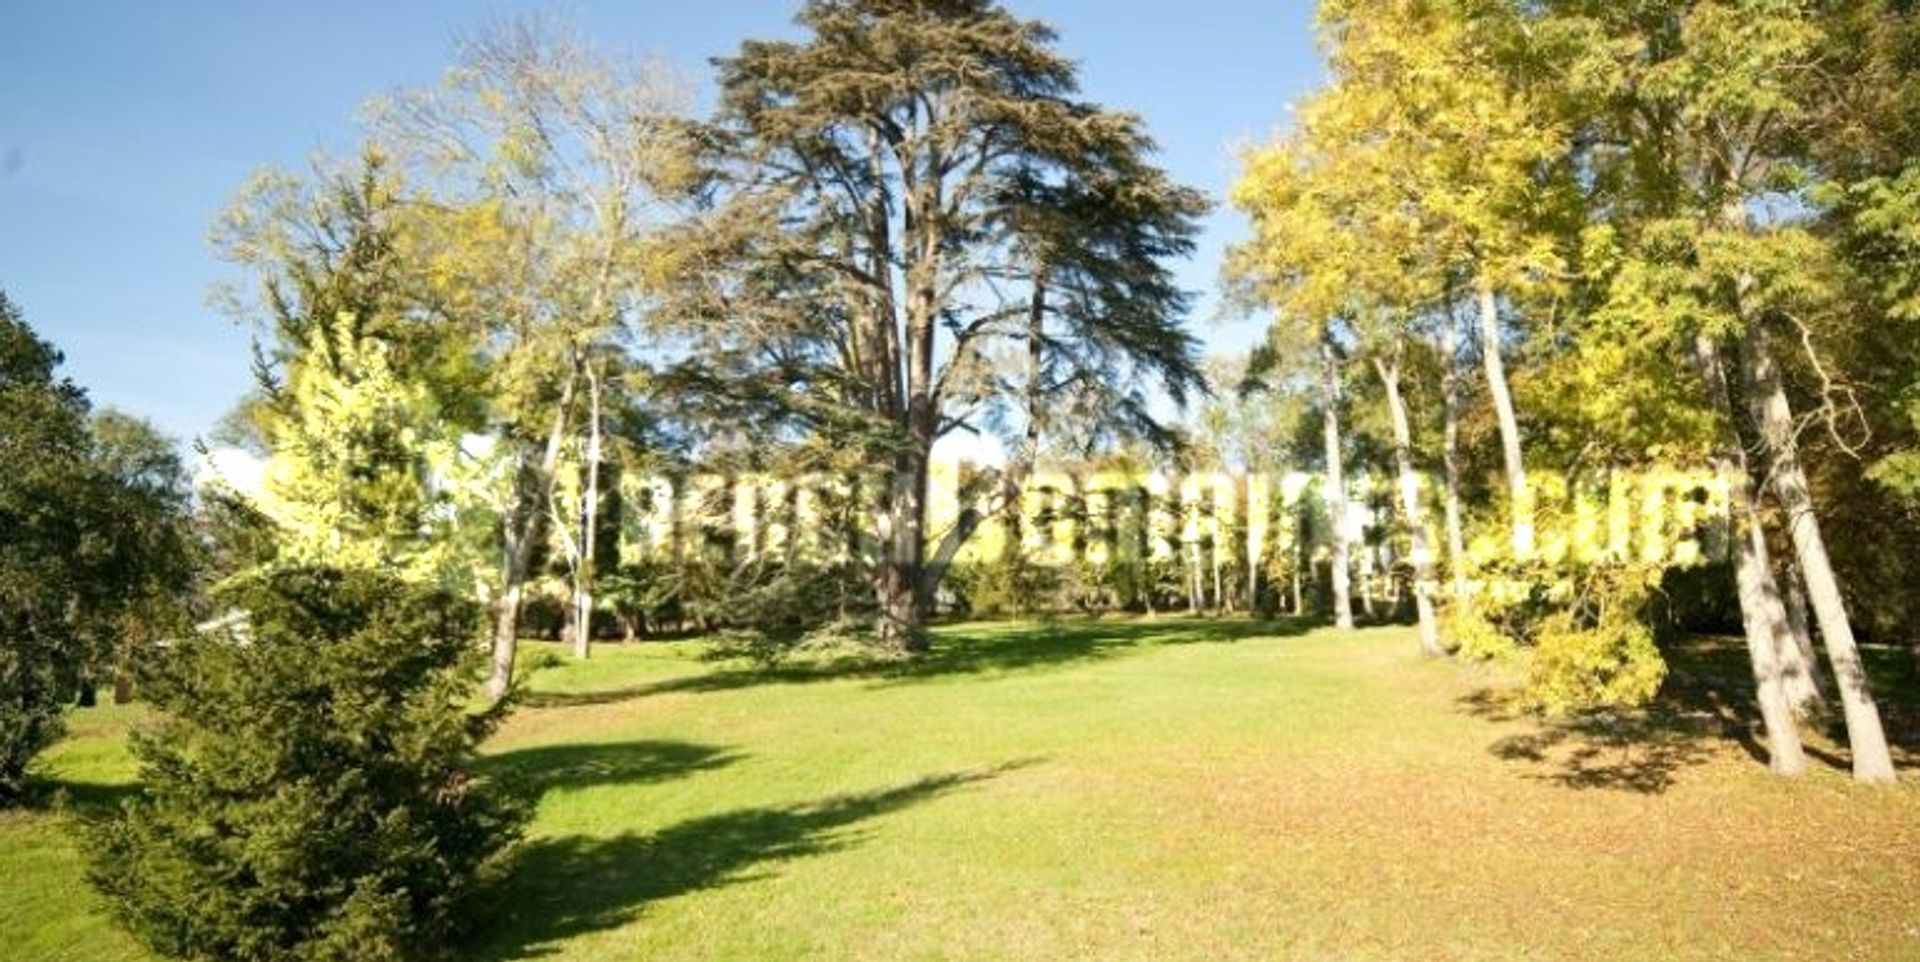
(1437, 91)
(1702, 116)
(544, 163)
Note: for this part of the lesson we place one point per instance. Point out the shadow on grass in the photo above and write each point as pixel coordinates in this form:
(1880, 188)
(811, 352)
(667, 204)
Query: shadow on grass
(973, 650)
(1706, 707)
(538, 770)
(562, 888)
(85, 799)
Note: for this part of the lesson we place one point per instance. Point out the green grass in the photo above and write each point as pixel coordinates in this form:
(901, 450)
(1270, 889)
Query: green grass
(1115, 790)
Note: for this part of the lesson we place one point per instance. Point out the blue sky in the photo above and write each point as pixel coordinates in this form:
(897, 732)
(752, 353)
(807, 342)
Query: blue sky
(125, 126)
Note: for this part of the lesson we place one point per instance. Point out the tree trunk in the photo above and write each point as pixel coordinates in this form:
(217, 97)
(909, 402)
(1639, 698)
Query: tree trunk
(520, 530)
(1220, 599)
(1450, 454)
(531, 484)
(1336, 493)
(1872, 762)
(1810, 695)
(1192, 557)
(1410, 512)
(1769, 645)
(583, 573)
(901, 583)
(1496, 369)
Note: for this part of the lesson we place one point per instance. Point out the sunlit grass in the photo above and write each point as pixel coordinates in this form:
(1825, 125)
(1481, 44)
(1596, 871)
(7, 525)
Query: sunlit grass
(1121, 789)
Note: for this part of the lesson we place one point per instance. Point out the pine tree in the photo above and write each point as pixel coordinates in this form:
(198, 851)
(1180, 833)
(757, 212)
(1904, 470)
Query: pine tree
(308, 791)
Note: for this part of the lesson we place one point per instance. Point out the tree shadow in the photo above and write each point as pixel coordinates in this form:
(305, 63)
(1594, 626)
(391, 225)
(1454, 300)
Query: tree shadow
(1706, 707)
(537, 770)
(85, 799)
(1894, 672)
(1703, 709)
(1616, 751)
(561, 888)
(1039, 646)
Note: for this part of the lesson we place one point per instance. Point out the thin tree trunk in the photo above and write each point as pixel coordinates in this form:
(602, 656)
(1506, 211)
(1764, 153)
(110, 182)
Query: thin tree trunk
(1496, 369)
(1450, 454)
(1193, 576)
(1872, 762)
(583, 573)
(520, 531)
(1259, 523)
(1809, 696)
(1336, 493)
(1410, 512)
(1220, 599)
(1769, 645)
(531, 484)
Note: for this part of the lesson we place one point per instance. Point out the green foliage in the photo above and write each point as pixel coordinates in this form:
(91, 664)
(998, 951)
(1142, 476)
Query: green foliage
(45, 539)
(1009, 586)
(1598, 652)
(1476, 632)
(1582, 632)
(94, 551)
(1880, 221)
(349, 480)
(307, 790)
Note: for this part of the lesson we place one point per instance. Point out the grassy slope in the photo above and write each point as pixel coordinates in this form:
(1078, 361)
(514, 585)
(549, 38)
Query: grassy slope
(1121, 790)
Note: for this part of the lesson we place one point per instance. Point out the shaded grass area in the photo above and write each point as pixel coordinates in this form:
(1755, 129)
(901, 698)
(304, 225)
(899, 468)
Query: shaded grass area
(1185, 789)
(969, 650)
(565, 887)
(1704, 710)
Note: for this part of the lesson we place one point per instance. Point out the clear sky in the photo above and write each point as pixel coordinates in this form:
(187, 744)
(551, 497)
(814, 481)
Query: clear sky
(125, 125)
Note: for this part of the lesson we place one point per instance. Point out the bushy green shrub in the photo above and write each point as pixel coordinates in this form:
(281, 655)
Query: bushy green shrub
(35, 684)
(1475, 634)
(1610, 663)
(1584, 633)
(308, 792)
(777, 611)
(1007, 586)
(1598, 651)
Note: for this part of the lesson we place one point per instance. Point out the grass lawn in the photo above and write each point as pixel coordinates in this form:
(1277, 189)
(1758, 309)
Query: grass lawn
(1126, 790)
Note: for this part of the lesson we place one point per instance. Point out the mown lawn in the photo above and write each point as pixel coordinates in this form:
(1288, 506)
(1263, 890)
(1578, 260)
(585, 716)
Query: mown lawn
(1115, 790)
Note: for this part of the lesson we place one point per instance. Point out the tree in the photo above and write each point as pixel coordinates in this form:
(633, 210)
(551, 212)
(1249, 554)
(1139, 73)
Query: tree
(45, 517)
(1344, 258)
(1703, 110)
(540, 164)
(363, 395)
(1338, 515)
(308, 788)
(1437, 92)
(1412, 515)
(893, 198)
(155, 566)
(93, 548)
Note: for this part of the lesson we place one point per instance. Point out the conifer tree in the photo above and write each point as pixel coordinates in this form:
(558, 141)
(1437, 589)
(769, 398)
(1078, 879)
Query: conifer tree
(308, 791)
(895, 197)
